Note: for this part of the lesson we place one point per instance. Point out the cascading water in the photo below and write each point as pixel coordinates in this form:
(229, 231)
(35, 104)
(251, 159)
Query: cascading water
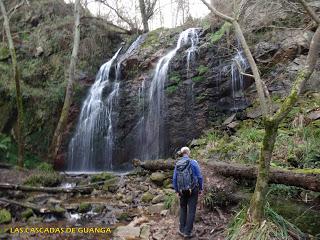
(91, 147)
(239, 64)
(153, 132)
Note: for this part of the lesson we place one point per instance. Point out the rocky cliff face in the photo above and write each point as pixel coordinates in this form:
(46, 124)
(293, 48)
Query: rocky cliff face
(194, 98)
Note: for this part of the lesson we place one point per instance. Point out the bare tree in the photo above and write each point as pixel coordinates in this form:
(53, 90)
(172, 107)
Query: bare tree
(57, 137)
(16, 76)
(271, 121)
(147, 8)
(120, 13)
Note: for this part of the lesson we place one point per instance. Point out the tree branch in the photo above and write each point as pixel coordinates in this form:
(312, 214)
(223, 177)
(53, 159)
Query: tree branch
(310, 11)
(302, 77)
(262, 91)
(116, 11)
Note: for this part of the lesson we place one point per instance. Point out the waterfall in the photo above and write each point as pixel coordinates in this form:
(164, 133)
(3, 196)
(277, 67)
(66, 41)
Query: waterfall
(153, 140)
(91, 147)
(238, 61)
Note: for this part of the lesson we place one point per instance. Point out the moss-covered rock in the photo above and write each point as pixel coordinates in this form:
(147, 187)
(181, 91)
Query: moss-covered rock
(111, 185)
(84, 207)
(102, 177)
(44, 179)
(27, 214)
(5, 216)
(158, 178)
(147, 197)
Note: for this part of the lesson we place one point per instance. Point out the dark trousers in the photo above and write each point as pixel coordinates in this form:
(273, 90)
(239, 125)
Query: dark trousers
(188, 207)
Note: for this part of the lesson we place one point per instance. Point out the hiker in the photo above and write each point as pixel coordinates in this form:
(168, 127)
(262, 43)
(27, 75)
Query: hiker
(188, 184)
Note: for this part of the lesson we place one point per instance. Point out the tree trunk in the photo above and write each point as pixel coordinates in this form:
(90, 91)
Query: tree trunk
(36, 208)
(309, 181)
(257, 203)
(16, 76)
(84, 189)
(57, 137)
(144, 15)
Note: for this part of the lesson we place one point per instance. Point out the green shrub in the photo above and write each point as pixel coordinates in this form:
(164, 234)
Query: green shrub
(215, 37)
(202, 69)
(45, 167)
(198, 79)
(171, 89)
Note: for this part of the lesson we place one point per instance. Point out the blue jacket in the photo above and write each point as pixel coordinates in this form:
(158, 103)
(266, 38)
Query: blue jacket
(196, 174)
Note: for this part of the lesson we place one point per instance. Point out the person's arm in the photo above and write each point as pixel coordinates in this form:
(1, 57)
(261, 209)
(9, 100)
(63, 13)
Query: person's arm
(197, 173)
(174, 180)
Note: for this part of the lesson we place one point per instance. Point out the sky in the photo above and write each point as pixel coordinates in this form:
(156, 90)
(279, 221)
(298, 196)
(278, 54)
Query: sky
(168, 11)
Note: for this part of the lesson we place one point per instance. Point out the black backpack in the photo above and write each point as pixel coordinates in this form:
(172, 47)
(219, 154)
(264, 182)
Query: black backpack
(185, 179)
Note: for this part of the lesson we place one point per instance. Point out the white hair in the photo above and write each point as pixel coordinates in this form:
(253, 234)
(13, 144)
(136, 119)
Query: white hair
(185, 150)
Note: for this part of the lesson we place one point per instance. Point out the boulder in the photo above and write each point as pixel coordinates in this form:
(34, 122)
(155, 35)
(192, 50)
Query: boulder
(84, 207)
(27, 214)
(147, 197)
(127, 232)
(158, 199)
(156, 208)
(158, 178)
(145, 232)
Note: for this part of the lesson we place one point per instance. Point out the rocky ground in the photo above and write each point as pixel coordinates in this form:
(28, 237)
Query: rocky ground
(138, 205)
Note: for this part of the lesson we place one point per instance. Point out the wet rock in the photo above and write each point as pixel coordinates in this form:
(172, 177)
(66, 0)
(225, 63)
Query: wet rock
(158, 199)
(147, 197)
(84, 207)
(158, 178)
(98, 208)
(5, 216)
(26, 214)
(156, 208)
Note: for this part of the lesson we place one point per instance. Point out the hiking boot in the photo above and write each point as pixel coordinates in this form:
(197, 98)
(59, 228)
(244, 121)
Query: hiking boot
(181, 233)
(191, 235)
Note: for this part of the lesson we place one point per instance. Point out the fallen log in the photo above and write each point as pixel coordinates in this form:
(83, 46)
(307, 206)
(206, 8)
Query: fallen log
(36, 208)
(308, 180)
(8, 186)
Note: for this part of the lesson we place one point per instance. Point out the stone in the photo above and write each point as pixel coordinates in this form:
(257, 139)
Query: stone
(159, 235)
(158, 199)
(156, 208)
(39, 51)
(147, 197)
(167, 183)
(127, 232)
(5, 216)
(158, 178)
(314, 115)
(27, 213)
(111, 185)
(145, 232)
(128, 199)
(84, 207)
(164, 213)
(98, 208)
(143, 188)
(119, 196)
